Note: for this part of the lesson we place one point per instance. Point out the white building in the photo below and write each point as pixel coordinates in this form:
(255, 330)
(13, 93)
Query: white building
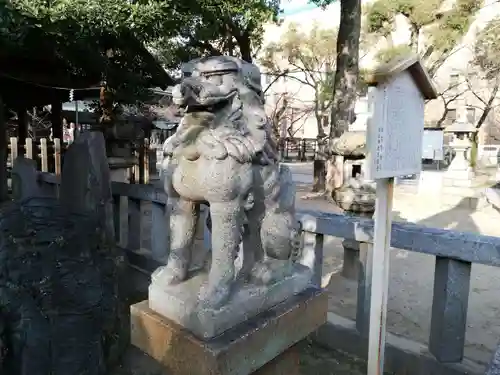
(455, 68)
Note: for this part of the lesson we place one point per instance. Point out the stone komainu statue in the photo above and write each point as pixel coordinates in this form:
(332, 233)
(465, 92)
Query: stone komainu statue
(223, 155)
(62, 311)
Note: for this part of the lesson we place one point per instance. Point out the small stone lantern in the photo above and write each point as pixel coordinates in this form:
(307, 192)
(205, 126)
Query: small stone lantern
(459, 170)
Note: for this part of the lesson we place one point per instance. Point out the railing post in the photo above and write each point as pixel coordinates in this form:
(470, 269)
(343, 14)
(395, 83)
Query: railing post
(159, 231)
(134, 224)
(57, 156)
(142, 163)
(351, 266)
(13, 150)
(44, 155)
(117, 209)
(364, 289)
(147, 155)
(449, 309)
(29, 148)
(136, 168)
(312, 255)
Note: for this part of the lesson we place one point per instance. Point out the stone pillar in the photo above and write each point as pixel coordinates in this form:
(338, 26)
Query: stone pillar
(119, 168)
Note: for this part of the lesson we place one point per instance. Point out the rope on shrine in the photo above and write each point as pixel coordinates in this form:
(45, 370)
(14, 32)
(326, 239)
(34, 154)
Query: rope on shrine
(47, 86)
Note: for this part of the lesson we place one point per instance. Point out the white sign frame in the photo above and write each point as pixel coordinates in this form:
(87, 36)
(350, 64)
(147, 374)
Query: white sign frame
(394, 142)
(395, 129)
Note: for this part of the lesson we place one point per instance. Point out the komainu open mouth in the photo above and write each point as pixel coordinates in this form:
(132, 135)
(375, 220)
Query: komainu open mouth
(194, 108)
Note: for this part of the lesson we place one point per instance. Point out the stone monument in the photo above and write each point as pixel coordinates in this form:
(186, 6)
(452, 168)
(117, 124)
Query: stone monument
(61, 271)
(258, 294)
(460, 186)
(352, 193)
(460, 173)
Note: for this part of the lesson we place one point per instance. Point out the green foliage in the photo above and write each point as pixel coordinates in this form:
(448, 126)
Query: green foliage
(214, 27)
(487, 50)
(446, 28)
(454, 24)
(474, 151)
(89, 40)
(388, 54)
(381, 13)
(92, 39)
(380, 17)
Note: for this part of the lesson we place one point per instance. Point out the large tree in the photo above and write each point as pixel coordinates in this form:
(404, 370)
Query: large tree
(482, 81)
(308, 58)
(344, 85)
(435, 35)
(218, 27)
(93, 33)
(434, 32)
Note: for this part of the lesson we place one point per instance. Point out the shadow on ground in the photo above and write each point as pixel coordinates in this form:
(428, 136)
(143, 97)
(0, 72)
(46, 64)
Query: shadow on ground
(314, 360)
(456, 217)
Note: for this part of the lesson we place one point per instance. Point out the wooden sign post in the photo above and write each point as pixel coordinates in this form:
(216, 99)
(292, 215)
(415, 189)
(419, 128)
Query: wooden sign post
(394, 148)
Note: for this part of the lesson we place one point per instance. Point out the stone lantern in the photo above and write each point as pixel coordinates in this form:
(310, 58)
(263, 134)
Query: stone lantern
(460, 173)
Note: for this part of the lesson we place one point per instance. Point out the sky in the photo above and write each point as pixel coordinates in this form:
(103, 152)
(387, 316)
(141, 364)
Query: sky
(291, 7)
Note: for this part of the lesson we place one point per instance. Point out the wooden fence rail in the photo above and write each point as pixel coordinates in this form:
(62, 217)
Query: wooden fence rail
(454, 252)
(46, 153)
(49, 154)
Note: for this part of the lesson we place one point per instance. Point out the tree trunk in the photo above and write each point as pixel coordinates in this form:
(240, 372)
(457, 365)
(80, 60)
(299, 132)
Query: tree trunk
(414, 34)
(347, 72)
(319, 170)
(346, 75)
(4, 192)
(319, 164)
(488, 107)
(245, 45)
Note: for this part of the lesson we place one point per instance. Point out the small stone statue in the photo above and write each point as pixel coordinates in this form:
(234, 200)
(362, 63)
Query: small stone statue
(222, 155)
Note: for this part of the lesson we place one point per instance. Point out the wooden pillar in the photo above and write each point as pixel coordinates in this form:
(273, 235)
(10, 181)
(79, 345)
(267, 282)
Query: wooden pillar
(4, 193)
(22, 129)
(56, 119)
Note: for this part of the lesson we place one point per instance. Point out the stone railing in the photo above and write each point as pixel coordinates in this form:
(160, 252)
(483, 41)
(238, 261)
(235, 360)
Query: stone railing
(455, 252)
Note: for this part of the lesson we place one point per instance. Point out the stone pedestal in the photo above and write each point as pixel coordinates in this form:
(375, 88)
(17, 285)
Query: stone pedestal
(263, 345)
(180, 303)
(459, 173)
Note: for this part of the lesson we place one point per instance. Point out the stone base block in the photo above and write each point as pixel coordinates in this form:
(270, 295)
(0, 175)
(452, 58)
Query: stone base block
(180, 303)
(459, 178)
(259, 346)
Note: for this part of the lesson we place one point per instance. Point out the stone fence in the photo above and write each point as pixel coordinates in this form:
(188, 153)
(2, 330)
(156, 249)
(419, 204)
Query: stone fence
(455, 252)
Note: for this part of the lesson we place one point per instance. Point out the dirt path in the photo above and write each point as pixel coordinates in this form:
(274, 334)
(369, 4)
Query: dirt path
(410, 291)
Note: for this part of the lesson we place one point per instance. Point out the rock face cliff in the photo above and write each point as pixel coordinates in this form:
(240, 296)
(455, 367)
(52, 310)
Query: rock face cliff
(62, 310)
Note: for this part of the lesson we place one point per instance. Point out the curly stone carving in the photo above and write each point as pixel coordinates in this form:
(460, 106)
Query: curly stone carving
(223, 155)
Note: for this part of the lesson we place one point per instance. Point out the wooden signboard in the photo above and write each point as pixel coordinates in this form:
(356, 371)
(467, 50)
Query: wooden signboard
(394, 148)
